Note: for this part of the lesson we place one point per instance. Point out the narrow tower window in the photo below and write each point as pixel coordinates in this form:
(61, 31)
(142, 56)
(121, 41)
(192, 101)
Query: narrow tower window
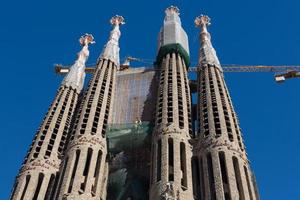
(25, 187)
(171, 159)
(224, 175)
(97, 172)
(86, 168)
(158, 157)
(211, 177)
(74, 171)
(38, 187)
(183, 165)
(51, 187)
(196, 177)
(62, 176)
(238, 178)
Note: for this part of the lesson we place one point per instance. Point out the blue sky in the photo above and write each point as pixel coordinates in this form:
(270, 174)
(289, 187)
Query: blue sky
(36, 34)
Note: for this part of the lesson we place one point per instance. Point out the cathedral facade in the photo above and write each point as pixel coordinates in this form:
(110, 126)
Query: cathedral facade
(135, 134)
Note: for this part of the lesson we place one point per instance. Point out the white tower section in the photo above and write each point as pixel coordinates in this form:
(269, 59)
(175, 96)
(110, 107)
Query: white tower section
(75, 78)
(172, 32)
(207, 52)
(111, 49)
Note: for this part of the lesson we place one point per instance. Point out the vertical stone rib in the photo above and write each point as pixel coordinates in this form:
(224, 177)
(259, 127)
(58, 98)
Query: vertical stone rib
(164, 90)
(207, 194)
(175, 88)
(217, 175)
(104, 186)
(231, 174)
(208, 98)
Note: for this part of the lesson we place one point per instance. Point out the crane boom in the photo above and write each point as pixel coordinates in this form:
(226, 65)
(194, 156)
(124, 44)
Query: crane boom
(259, 68)
(282, 72)
(59, 69)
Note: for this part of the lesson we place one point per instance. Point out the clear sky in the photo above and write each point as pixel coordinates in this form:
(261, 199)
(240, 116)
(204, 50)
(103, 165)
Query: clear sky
(36, 34)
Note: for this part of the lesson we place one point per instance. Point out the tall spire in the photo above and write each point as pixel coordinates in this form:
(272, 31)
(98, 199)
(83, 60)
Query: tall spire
(111, 49)
(41, 165)
(222, 170)
(207, 52)
(75, 78)
(84, 172)
(171, 172)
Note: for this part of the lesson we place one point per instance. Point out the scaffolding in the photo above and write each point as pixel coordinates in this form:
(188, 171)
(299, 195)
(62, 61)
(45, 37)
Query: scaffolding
(129, 134)
(135, 96)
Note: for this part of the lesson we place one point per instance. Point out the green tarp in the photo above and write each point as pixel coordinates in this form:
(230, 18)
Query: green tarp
(122, 137)
(170, 48)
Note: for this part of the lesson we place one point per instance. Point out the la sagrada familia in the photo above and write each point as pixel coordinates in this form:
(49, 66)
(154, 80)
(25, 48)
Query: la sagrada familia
(134, 133)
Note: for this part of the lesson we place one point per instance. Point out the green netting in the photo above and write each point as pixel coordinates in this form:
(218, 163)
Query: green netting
(129, 150)
(122, 137)
(122, 185)
(170, 48)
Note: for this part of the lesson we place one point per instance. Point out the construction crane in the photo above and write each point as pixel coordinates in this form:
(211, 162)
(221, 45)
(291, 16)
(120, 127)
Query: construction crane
(282, 72)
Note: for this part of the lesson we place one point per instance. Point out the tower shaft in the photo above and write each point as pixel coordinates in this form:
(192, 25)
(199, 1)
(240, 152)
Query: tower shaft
(171, 169)
(171, 176)
(40, 167)
(220, 161)
(84, 172)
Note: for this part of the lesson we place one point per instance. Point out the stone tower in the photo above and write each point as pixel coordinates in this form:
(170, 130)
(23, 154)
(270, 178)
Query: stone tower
(220, 161)
(84, 171)
(171, 176)
(36, 177)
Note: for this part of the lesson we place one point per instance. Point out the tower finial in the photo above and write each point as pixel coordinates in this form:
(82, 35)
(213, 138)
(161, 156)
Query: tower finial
(202, 20)
(117, 20)
(86, 39)
(111, 49)
(207, 54)
(75, 78)
(172, 9)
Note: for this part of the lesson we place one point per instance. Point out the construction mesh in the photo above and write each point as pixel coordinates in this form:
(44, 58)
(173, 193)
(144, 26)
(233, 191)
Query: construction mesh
(129, 134)
(129, 148)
